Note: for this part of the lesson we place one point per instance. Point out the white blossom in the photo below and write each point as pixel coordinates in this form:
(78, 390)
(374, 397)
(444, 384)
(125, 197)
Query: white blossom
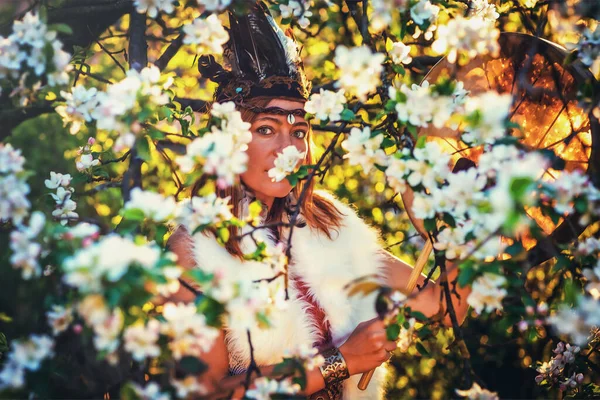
(422, 105)
(93, 309)
(11, 160)
(382, 13)
(297, 9)
(221, 152)
(207, 34)
(567, 186)
(470, 36)
(27, 53)
(577, 322)
(187, 386)
(24, 355)
(492, 110)
(106, 333)
(400, 53)
(57, 179)
(487, 293)
(395, 174)
(285, 163)
(593, 277)
(86, 161)
(424, 12)
(25, 251)
(187, 329)
(406, 336)
(59, 318)
(484, 9)
(78, 108)
(153, 7)
(478, 393)
(150, 392)
(589, 46)
(153, 205)
(360, 70)
(214, 5)
(141, 341)
(264, 387)
(109, 259)
(13, 188)
(309, 356)
(326, 105)
(82, 230)
(364, 150)
(206, 210)
(138, 90)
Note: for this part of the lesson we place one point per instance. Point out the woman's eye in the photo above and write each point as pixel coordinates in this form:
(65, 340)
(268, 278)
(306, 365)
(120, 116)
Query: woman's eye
(264, 130)
(300, 134)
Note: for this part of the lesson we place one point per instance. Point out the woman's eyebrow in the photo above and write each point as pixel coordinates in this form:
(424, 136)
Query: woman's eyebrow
(302, 123)
(277, 121)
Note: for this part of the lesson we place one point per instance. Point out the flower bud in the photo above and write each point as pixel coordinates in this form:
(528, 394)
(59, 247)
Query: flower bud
(529, 310)
(542, 308)
(522, 325)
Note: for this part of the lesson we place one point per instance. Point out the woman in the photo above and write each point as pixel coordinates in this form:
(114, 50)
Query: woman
(331, 245)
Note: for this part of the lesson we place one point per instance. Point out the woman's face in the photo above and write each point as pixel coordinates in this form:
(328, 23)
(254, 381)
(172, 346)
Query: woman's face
(271, 133)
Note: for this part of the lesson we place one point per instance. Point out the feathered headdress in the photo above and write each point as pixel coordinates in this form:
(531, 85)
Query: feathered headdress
(261, 60)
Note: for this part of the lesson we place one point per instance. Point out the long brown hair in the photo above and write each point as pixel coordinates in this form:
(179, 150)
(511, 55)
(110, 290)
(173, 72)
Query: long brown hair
(318, 212)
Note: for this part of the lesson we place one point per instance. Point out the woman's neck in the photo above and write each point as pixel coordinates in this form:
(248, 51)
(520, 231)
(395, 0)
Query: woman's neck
(266, 201)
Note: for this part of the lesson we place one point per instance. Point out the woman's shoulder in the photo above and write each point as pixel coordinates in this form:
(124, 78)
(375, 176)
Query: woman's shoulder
(181, 243)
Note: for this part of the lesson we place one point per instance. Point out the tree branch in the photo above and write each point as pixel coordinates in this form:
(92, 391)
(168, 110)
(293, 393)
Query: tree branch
(138, 59)
(169, 53)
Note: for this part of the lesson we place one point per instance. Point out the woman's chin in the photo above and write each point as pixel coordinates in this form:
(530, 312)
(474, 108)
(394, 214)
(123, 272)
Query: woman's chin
(278, 189)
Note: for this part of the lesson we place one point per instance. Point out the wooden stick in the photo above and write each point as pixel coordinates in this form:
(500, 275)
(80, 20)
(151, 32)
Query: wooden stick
(410, 286)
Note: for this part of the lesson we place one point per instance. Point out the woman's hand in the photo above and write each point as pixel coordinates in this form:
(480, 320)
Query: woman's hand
(367, 347)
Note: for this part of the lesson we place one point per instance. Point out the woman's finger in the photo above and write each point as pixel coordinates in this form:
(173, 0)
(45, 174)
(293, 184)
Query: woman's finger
(390, 345)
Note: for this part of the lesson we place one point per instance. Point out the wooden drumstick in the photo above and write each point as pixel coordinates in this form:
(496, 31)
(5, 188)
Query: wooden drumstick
(410, 286)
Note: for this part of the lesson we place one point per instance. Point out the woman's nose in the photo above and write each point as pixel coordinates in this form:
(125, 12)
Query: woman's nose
(284, 141)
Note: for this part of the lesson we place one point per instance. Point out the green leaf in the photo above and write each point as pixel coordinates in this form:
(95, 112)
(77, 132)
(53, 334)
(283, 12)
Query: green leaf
(143, 149)
(449, 219)
(399, 69)
(192, 365)
(514, 249)
(465, 276)
(519, 187)
(419, 316)
(62, 28)
(5, 318)
(161, 231)
(412, 129)
(581, 205)
(199, 276)
(133, 214)
(347, 115)
(422, 350)
(392, 331)
(223, 234)
(292, 179)
(387, 142)
(429, 224)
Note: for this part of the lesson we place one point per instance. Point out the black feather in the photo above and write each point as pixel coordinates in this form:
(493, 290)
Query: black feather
(257, 48)
(209, 68)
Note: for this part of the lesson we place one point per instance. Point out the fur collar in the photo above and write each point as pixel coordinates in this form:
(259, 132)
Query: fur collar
(326, 266)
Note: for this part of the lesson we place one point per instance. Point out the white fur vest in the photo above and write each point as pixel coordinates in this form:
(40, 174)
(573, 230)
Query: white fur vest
(325, 266)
